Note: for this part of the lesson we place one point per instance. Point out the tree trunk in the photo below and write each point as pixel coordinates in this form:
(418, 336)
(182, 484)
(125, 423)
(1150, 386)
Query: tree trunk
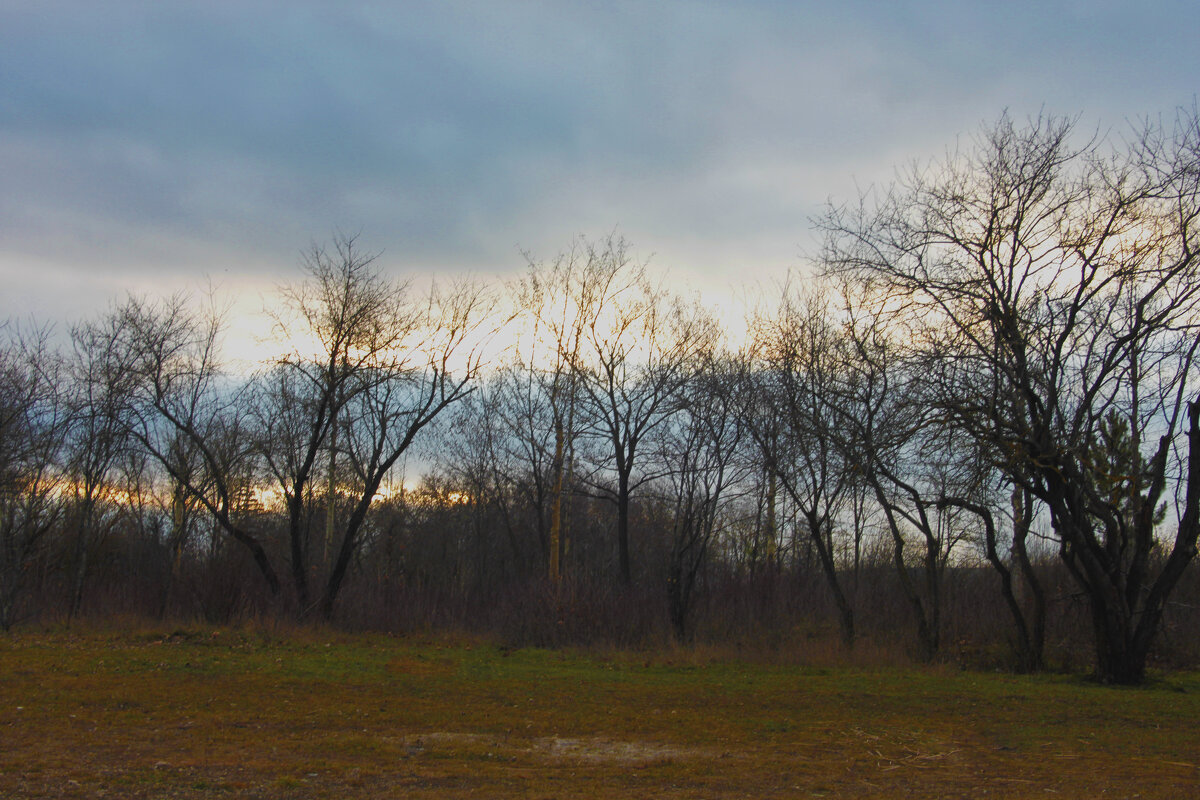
(1035, 636)
(623, 527)
(555, 545)
(299, 569)
(829, 568)
(926, 639)
(1119, 659)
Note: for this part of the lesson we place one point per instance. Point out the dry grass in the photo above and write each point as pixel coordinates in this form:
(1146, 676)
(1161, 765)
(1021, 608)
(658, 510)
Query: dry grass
(293, 714)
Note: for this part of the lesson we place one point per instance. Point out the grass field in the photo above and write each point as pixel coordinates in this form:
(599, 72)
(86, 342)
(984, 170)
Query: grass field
(229, 713)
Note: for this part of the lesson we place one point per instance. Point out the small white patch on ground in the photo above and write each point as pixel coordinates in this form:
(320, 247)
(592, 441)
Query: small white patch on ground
(605, 751)
(589, 749)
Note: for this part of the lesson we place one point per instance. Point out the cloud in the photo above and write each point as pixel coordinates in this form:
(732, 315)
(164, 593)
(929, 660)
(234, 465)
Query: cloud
(142, 139)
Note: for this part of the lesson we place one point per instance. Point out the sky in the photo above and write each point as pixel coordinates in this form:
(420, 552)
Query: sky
(152, 147)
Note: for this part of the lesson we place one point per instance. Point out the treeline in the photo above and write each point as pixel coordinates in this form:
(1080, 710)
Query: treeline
(973, 420)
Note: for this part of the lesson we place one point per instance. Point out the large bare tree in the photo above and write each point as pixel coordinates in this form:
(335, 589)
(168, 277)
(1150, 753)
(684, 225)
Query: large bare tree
(424, 372)
(372, 362)
(342, 325)
(1054, 284)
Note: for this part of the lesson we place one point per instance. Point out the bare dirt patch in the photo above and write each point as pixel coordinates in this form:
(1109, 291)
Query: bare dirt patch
(593, 749)
(606, 751)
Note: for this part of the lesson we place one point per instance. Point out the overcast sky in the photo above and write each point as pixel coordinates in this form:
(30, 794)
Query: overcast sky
(147, 145)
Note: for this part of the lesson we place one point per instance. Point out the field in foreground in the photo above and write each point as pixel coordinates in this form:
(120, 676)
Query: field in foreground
(206, 714)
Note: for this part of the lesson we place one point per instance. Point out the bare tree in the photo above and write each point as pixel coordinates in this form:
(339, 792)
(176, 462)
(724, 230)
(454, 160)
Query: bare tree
(494, 444)
(34, 417)
(895, 449)
(190, 417)
(424, 372)
(1030, 623)
(101, 390)
(1056, 287)
(639, 348)
(793, 419)
(533, 436)
(544, 409)
(921, 472)
(343, 325)
(699, 449)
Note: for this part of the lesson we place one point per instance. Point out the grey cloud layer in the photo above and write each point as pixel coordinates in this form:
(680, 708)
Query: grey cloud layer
(453, 132)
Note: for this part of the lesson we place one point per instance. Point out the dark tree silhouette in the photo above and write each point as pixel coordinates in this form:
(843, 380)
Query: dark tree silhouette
(1052, 285)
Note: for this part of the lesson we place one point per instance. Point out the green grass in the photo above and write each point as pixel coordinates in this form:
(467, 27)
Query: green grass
(201, 713)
